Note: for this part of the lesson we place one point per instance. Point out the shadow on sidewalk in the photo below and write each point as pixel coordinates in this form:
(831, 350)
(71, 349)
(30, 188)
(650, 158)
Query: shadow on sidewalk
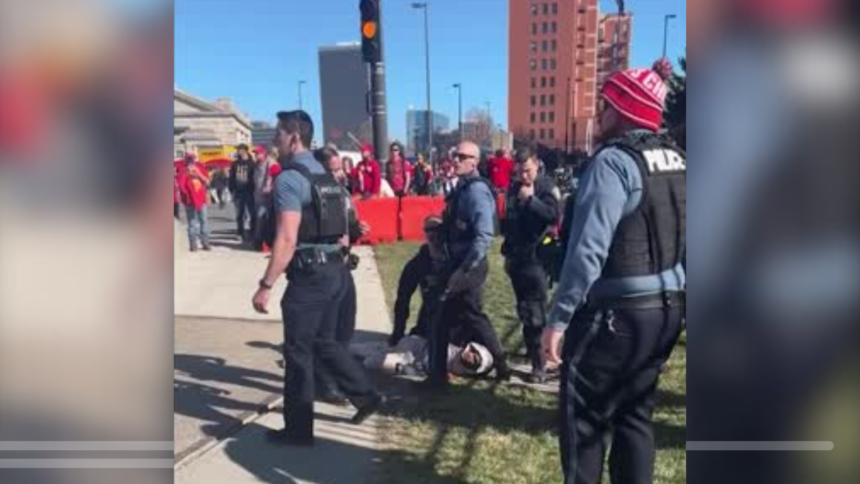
(208, 403)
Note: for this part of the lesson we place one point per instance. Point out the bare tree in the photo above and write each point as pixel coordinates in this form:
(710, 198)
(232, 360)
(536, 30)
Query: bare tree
(478, 127)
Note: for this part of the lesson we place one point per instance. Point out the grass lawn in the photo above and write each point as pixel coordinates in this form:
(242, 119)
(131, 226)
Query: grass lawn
(486, 433)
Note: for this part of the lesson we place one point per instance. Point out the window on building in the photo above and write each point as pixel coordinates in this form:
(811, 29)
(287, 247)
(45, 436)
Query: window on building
(552, 99)
(600, 34)
(554, 27)
(534, 9)
(554, 46)
(543, 99)
(533, 65)
(542, 117)
(544, 46)
(533, 47)
(552, 64)
(582, 9)
(544, 64)
(543, 82)
(542, 133)
(551, 134)
(555, 8)
(552, 81)
(552, 116)
(545, 27)
(533, 100)
(532, 118)
(534, 82)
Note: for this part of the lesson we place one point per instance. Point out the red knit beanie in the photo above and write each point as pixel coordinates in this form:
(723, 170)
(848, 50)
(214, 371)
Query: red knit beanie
(639, 95)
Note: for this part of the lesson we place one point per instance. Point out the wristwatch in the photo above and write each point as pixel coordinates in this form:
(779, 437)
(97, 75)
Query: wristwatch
(265, 285)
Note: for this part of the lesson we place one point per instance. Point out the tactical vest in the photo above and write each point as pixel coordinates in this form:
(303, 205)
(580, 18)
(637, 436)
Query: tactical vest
(653, 238)
(455, 230)
(524, 232)
(325, 220)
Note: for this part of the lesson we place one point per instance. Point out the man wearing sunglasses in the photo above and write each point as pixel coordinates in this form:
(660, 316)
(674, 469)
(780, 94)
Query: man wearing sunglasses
(468, 228)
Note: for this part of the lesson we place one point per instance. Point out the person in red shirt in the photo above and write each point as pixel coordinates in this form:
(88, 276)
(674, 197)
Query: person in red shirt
(369, 173)
(399, 170)
(500, 169)
(194, 188)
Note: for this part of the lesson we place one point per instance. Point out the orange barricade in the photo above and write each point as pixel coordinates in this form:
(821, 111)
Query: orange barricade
(413, 211)
(382, 216)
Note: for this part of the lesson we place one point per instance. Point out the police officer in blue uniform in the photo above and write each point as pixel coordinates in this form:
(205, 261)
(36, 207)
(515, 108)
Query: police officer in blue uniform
(620, 301)
(468, 229)
(312, 219)
(531, 211)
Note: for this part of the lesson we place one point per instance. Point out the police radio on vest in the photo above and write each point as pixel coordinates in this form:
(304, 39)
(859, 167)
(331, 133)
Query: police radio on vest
(664, 161)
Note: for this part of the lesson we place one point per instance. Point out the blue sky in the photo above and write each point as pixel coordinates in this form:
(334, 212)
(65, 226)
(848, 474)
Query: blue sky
(256, 51)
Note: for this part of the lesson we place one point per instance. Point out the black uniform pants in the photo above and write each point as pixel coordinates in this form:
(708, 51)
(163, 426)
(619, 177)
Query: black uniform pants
(529, 281)
(463, 312)
(612, 361)
(343, 334)
(245, 206)
(311, 308)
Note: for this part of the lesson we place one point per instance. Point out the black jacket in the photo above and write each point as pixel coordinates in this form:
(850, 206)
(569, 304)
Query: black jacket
(420, 271)
(526, 223)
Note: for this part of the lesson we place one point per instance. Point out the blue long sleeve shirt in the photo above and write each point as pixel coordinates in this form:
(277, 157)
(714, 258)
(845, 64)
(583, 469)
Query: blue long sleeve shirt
(609, 190)
(476, 209)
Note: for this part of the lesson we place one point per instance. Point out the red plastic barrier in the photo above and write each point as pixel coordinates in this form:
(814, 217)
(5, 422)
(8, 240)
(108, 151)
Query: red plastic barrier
(382, 216)
(413, 211)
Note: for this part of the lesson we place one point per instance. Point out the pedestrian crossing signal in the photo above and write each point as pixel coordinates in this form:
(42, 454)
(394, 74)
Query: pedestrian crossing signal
(371, 38)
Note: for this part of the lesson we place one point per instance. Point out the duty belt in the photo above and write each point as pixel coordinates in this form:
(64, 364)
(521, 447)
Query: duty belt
(667, 299)
(307, 258)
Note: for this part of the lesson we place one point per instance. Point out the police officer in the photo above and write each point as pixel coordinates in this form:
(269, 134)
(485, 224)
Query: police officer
(532, 210)
(620, 303)
(468, 229)
(312, 219)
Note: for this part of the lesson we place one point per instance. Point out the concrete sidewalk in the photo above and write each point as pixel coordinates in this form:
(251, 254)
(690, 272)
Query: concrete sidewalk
(227, 368)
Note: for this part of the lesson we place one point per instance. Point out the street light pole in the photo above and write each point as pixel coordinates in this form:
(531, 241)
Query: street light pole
(429, 121)
(459, 88)
(301, 83)
(666, 32)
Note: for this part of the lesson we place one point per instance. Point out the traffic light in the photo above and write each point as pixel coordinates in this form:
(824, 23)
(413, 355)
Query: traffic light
(371, 31)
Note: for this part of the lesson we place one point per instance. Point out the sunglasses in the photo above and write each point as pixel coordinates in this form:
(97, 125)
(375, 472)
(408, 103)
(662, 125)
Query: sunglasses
(464, 156)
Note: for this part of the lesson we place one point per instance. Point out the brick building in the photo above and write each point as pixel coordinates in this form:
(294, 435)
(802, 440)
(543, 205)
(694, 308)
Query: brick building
(560, 51)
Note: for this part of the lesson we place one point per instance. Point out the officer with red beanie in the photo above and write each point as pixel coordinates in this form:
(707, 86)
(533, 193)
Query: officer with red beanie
(620, 300)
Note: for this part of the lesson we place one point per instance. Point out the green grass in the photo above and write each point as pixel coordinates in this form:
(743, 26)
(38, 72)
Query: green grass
(484, 433)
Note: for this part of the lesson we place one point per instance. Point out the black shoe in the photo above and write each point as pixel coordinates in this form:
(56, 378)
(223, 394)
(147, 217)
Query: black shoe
(367, 410)
(207, 248)
(537, 376)
(282, 437)
(193, 248)
(333, 398)
(503, 373)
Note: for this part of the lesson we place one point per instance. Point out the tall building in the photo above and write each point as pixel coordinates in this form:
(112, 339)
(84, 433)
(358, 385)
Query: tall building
(558, 50)
(416, 129)
(200, 125)
(262, 133)
(344, 87)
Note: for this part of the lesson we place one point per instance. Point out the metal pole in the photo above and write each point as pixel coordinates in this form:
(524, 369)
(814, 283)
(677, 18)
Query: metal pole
(379, 112)
(666, 32)
(429, 106)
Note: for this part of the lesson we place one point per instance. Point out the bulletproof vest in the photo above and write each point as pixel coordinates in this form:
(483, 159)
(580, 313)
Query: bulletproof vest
(325, 220)
(523, 232)
(653, 238)
(455, 230)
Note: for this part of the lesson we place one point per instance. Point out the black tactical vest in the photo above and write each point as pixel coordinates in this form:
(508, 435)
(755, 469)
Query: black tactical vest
(455, 230)
(325, 220)
(653, 238)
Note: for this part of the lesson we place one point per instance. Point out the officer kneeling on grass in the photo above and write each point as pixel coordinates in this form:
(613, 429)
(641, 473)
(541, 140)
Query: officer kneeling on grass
(311, 220)
(532, 210)
(467, 228)
(620, 303)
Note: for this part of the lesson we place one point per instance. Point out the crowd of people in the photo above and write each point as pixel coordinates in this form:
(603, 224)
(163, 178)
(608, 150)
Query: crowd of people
(615, 316)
